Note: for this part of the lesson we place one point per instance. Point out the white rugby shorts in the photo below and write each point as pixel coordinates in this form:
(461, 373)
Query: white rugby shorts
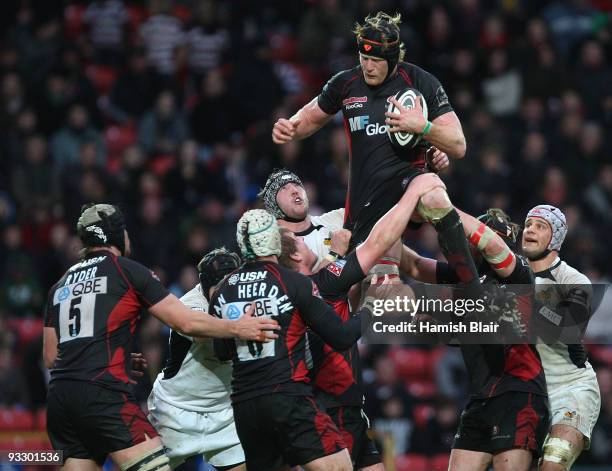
(187, 433)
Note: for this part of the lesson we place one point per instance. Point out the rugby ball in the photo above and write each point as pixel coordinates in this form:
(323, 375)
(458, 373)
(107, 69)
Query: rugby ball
(407, 98)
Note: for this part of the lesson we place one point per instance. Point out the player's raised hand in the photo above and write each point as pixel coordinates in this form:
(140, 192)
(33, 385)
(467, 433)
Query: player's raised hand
(407, 120)
(284, 130)
(436, 159)
(340, 241)
(260, 329)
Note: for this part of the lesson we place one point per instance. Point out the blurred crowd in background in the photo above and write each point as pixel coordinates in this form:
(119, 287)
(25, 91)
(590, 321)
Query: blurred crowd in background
(166, 108)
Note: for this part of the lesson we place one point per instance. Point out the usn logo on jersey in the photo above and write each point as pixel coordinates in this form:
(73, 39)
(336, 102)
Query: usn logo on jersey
(360, 123)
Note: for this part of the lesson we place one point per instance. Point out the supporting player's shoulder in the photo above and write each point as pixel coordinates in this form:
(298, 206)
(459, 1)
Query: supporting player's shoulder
(567, 275)
(332, 220)
(194, 299)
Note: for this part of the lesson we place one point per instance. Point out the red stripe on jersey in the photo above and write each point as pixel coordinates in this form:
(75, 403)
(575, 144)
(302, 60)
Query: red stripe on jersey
(335, 375)
(526, 426)
(274, 270)
(136, 422)
(522, 362)
(126, 310)
(295, 334)
(331, 440)
(349, 81)
(405, 76)
(347, 436)
(341, 307)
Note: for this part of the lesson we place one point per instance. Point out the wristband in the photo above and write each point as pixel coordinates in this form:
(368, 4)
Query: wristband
(332, 256)
(426, 129)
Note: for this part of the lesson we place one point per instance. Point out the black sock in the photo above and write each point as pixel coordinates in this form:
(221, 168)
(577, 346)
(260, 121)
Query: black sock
(455, 248)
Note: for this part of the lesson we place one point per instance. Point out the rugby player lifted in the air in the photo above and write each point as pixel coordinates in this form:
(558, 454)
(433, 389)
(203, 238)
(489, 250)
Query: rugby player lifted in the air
(379, 171)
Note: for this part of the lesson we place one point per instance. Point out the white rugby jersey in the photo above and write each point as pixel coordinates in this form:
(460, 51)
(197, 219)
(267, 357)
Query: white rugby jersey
(552, 287)
(194, 379)
(318, 236)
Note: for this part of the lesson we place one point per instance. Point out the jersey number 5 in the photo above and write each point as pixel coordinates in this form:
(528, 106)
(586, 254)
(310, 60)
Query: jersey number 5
(76, 317)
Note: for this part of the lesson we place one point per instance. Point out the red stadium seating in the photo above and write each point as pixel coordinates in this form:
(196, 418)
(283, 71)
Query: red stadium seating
(440, 462)
(73, 20)
(41, 419)
(432, 365)
(601, 353)
(102, 76)
(182, 13)
(411, 363)
(16, 419)
(423, 390)
(137, 15)
(27, 329)
(25, 442)
(422, 413)
(412, 462)
(117, 139)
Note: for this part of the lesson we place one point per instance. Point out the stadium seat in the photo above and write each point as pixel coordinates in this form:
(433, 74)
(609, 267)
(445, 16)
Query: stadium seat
(102, 76)
(41, 419)
(432, 365)
(73, 20)
(182, 12)
(412, 462)
(27, 329)
(119, 138)
(25, 442)
(16, 419)
(422, 413)
(601, 353)
(440, 462)
(136, 15)
(423, 390)
(411, 363)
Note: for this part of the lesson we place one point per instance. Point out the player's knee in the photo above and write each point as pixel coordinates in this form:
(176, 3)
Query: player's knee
(150, 460)
(434, 205)
(424, 183)
(559, 454)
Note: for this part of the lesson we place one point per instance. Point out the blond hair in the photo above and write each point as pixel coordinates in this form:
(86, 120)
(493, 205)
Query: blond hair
(384, 23)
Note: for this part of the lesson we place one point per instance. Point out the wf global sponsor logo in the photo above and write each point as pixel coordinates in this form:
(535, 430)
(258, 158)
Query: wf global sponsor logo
(360, 123)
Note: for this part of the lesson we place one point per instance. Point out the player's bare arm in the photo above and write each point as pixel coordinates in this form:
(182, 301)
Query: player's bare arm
(49, 346)
(492, 247)
(445, 132)
(417, 267)
(186, 321)
(308, 120)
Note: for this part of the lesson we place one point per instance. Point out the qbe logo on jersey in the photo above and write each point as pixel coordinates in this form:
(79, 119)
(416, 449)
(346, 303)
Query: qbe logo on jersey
(359, 123)
(249, 350)
(77, 304)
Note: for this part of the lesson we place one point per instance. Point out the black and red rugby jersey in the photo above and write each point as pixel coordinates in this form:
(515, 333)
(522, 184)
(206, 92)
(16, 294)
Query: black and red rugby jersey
(293, 300)
(496, 369)
(94, 309)
(373, 159)
(337, 375)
